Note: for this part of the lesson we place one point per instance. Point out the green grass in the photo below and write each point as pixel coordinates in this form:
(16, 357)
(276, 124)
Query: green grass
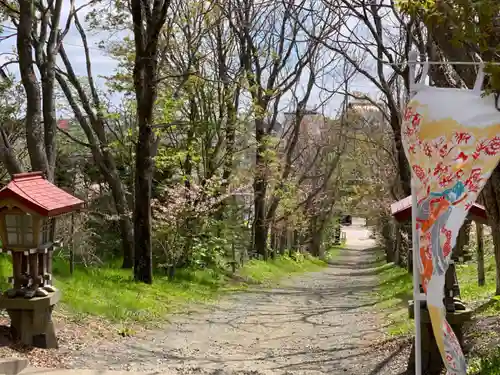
(333, 252)
(274, 270)
(473, 293)
(5, 271)
(392, 296)
(110, 293)
(486, 365)
(395, 290)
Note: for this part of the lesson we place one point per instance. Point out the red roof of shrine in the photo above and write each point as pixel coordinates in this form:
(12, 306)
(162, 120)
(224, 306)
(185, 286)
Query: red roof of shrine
(38, 194)
(401, 210)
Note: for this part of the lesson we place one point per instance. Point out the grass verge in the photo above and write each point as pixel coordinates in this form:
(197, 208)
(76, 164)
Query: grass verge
(395, 290)
(392, 296)
(489, 365)
(258, 271)
(110, 292)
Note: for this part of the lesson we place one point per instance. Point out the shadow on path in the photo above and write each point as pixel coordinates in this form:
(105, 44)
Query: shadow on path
(320, 322)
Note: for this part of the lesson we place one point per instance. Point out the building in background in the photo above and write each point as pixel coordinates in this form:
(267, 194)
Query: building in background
(311, 125)
(369, 110)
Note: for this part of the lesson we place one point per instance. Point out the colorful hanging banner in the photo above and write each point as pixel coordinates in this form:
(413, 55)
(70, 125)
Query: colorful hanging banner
(451, 138)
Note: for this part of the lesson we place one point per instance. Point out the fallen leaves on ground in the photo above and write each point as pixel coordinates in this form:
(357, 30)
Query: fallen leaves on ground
(72, 337)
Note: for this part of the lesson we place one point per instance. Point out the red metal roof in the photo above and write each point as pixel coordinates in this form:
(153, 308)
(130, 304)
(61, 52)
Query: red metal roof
(38, 194)
(401, 210)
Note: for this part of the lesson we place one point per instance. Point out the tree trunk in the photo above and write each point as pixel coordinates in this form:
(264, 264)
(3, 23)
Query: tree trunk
(462, 239)
(295, 240)
(496, 245)
(491, 195)
(143, 265)
(314, 246)
(93, 126)
(283, 236)
(274, 242)
(403, 165)
(72, 245)
(259, 191)
(148, 20)
(389, 240)
(7, 155)
(34, 133)
(48, 75)
(126, 227)
(409, 260)
(397, 244)
(480, 255)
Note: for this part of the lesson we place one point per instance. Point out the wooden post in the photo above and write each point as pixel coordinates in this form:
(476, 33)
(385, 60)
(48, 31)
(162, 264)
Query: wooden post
(24, 265)
(71, 245)
(17, 268)
(42, 266)
(480, 255)
(35, 278)
(397, 244)
(233, 255)
(409, 261)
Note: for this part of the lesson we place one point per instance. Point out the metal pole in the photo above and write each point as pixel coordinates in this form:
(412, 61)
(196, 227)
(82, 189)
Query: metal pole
(416, 283)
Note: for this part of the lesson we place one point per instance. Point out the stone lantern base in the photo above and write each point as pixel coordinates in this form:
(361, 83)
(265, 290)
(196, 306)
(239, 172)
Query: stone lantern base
(31, 319)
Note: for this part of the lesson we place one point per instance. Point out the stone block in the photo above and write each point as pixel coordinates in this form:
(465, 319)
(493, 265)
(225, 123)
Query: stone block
(31, 319)
(12, 366)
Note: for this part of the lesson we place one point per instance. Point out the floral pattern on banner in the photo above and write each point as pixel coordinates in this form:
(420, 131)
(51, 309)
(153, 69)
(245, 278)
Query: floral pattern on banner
(451, 162)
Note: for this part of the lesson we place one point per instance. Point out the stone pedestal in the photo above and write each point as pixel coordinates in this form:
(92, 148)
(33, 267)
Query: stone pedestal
(31, 319)
(432, 363)
(12, 366)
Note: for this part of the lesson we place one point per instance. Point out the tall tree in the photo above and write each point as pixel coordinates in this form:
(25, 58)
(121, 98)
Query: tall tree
(39, 34)
(274, 55)
(148, 18)
(88, 108)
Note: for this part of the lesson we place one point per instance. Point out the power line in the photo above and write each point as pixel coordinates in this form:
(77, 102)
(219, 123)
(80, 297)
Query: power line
(476, 63)
(7, 27)
(441, 63)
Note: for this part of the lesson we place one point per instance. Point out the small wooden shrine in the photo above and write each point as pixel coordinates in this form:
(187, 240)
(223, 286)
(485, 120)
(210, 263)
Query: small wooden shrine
(29, 207)
(401, 211)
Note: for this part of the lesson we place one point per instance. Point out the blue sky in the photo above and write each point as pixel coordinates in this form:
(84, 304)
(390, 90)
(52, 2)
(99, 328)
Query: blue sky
(103, 65)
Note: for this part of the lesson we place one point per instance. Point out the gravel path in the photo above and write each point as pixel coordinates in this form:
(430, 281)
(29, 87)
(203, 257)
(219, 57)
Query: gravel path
(317, 323)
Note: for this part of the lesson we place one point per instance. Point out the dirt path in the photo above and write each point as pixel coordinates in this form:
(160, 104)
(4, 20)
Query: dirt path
(316, 323)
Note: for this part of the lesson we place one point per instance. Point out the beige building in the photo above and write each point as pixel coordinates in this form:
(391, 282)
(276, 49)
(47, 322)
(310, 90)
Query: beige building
(369, 111)
(311, 126)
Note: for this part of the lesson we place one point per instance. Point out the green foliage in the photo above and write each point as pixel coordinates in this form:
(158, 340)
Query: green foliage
(473, 24)
(283, 266)
(110, 292)
(486, 365)
(5, 271)
(198, 227)
(329, 231)
(205, 162)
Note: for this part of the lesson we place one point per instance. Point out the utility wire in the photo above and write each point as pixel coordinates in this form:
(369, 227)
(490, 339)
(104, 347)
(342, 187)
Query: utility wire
(441, 63)
(11, 28)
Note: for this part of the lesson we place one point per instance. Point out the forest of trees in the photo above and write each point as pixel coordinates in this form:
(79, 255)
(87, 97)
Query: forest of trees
(226, 125)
